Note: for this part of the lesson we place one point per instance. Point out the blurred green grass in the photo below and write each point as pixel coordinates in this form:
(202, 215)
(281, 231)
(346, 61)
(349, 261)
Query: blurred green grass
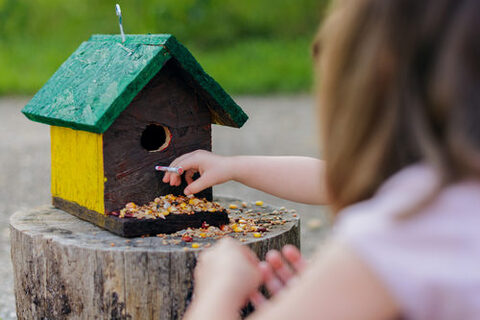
(249, 46)
(258, 66)
(252, 66)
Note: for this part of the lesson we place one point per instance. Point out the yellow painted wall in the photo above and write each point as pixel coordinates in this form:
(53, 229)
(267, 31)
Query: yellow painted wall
(77, 167)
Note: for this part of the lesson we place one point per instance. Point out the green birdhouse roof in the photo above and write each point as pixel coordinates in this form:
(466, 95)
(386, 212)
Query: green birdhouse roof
(101, 78)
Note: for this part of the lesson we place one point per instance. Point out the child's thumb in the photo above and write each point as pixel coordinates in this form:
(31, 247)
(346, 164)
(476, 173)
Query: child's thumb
(196, 186)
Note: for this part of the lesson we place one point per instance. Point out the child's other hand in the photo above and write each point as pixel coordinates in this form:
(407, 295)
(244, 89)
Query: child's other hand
(228, 270)
(213, 169)
(278, 270)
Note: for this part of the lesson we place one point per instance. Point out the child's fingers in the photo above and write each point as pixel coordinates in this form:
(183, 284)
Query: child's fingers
(284, 272)
(188, 161)
(175, 180)
(169, 176)
(257, 299)
(197, 185)
(189, 176)
(294, 258)
(166, 177)
(188, 167)
(181, 158)
(270, 280)
(250, 255)
(178, 180)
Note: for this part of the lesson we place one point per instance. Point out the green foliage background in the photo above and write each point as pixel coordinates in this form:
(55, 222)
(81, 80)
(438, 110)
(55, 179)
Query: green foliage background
(249, 46)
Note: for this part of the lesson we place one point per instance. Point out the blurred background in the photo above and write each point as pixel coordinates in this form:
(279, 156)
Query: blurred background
(232, 39)
(258, 50)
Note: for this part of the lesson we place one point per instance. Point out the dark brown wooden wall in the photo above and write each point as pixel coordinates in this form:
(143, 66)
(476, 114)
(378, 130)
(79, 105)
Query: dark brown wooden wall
(171, 100)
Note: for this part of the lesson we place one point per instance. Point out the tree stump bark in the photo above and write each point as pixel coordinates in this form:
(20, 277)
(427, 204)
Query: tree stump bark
(66, 268)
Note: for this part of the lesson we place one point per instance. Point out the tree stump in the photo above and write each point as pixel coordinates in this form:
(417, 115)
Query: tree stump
(66, 268)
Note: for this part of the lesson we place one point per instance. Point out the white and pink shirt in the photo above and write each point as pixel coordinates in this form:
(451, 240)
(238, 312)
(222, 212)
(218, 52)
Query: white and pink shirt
(430, 261)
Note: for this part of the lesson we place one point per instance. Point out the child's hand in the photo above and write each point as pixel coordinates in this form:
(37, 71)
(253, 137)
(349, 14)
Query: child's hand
(213, 169)
(278, 270)
(228, 270)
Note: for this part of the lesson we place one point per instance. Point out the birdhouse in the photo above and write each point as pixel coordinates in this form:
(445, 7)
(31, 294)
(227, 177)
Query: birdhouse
(118, 109)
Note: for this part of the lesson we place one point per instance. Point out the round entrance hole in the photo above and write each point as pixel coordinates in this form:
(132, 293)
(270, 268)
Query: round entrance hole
(155, 138)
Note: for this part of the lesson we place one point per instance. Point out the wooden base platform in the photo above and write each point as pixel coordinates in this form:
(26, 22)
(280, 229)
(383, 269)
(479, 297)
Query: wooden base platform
(66, 268)
(130, 227)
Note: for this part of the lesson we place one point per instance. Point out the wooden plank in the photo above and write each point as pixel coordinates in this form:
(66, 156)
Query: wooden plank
(135, 227)
(96, 83)
(227, 112)
(129, 168)
(77, 167)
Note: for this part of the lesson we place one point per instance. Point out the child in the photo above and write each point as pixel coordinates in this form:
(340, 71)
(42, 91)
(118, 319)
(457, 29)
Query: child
(399, 109)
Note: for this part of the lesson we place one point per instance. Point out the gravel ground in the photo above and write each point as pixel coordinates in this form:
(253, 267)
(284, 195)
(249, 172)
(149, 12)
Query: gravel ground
(277, 126)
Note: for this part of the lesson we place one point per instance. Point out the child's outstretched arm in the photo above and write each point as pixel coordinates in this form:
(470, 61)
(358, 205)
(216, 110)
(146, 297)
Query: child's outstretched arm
(299, 179)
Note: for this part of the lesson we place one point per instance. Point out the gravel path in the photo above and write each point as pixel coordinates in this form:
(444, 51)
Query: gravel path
(277, 126)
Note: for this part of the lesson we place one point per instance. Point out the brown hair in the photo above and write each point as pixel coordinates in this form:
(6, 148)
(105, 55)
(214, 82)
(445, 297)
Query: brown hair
(399, 83)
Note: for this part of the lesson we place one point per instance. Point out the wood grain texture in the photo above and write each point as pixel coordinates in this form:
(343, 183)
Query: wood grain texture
(224, 110)
(169, 101)
(135, 227)
(77, 167)
(95, 84)
(101, 78)
(66, 268)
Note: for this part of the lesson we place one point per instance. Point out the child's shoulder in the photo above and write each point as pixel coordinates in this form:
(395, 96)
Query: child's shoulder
(427, 258)
(409, 188)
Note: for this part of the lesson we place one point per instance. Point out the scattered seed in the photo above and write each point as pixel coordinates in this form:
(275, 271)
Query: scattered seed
(314, 224)
(241, 223)
(238, 229)
(187, 238)
(165, 205)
